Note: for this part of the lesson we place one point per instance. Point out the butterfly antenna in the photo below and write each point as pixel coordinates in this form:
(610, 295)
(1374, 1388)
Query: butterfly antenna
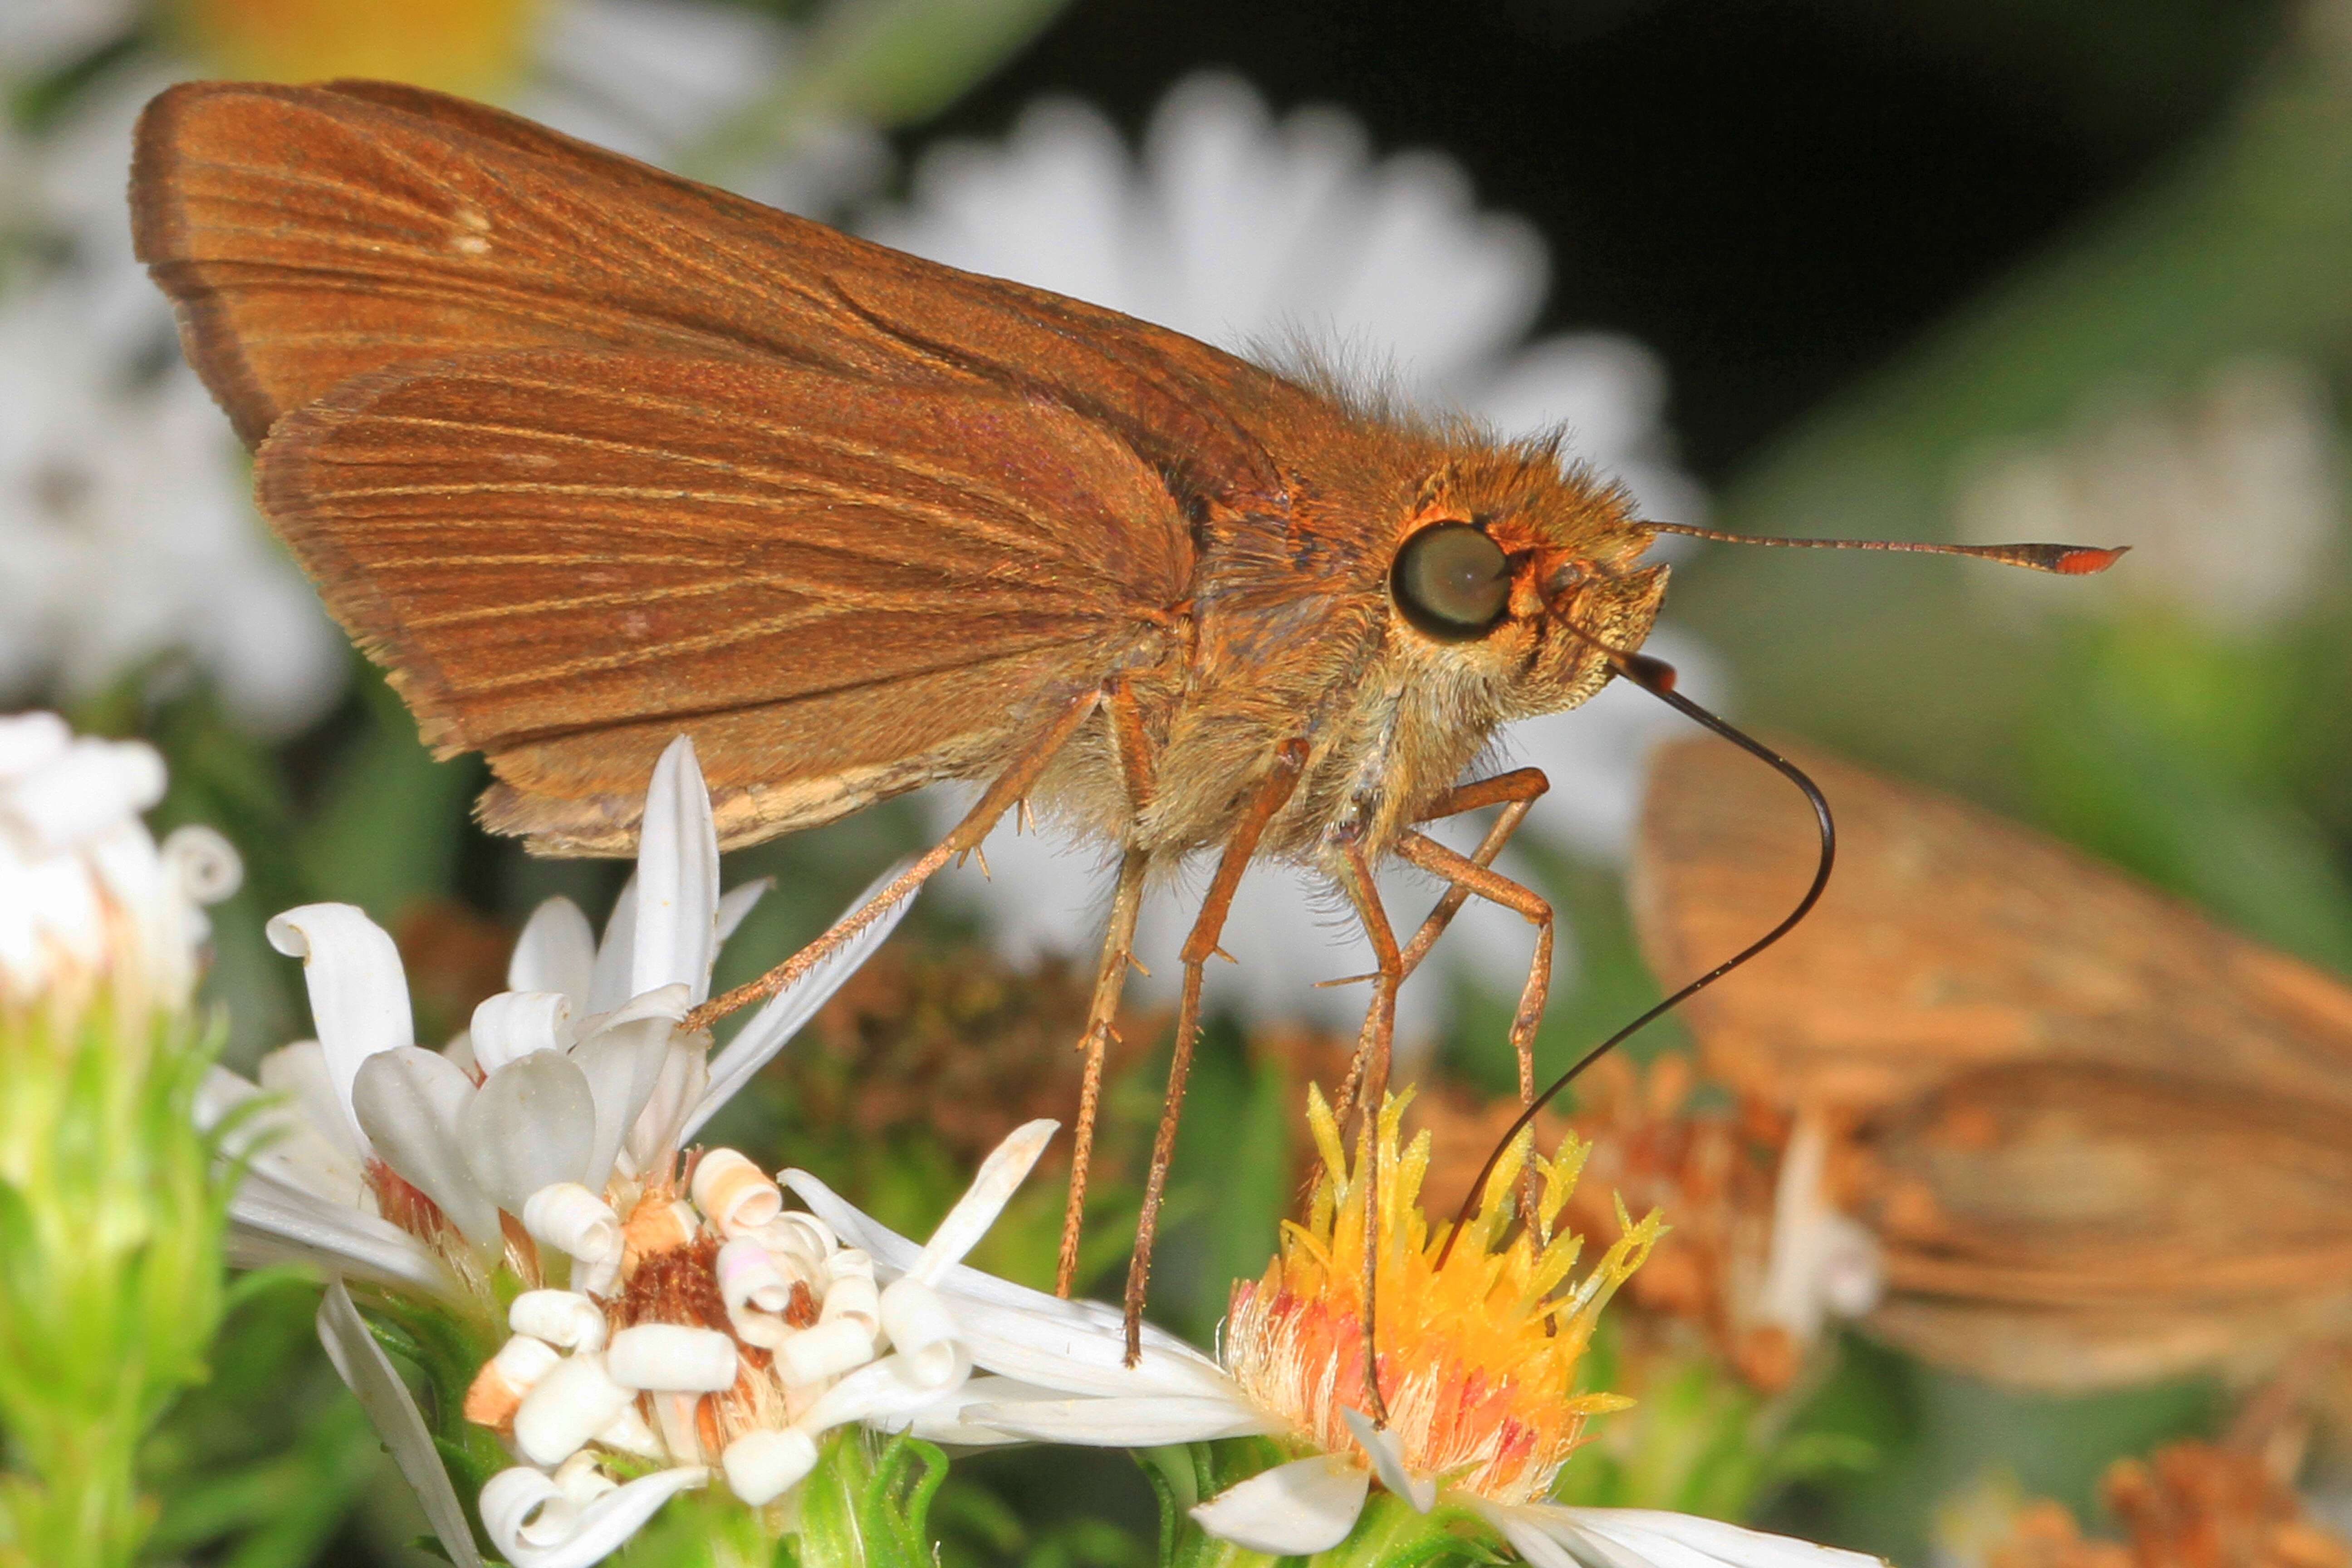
(2067, 560)
(1657, 677)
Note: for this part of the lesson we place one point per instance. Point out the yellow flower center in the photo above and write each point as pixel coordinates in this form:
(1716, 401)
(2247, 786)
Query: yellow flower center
(1477, 1355)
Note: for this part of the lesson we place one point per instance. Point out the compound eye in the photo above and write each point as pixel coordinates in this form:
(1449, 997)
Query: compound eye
(1452, 581)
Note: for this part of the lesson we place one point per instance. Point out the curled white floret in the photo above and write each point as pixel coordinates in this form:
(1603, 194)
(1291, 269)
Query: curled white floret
(561, 1318)
(535, 1524)
(630, 1433)
(737, 1195)
(764, 1465)
(755, 1291)
(574, 1221)
(672, 1358)
(582, 1479)
(825, 1350)
(204, 863)
(851, 1295)
(498, 1389)
(569, 1406)
(802, 1241)
(922, 1331)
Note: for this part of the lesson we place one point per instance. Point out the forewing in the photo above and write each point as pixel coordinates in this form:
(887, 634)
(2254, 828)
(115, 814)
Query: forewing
(309, 235)
(840, 589)
(1949, 940)
(2067, 1228)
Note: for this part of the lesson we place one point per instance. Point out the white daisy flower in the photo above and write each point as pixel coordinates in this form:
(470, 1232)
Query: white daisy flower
(730, 1338)
(85, 893)
(1478, 1357)
(414, 1168)
(1252, 233)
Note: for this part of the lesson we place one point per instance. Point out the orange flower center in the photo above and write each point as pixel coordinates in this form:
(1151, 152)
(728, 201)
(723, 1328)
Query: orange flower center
(1477, 1356)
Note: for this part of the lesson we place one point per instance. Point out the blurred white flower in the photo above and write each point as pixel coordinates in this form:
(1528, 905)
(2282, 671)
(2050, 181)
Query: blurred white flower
(125, 532)
(1255, 233)
(2232, 499)
(85, 894)
(126, 529)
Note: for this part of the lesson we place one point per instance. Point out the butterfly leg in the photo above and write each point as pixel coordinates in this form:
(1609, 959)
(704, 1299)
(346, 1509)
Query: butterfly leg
(1133, 744)
(1010, 786)
(1514, 791)
(1290, 761)
(1117, 952)
(1371, 1070)
(1468, 875)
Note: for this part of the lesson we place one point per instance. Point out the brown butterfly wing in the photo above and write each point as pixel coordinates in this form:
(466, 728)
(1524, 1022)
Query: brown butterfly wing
(308, 235)
(2068, 1227)
(1950, 939)
(2099, 1138)
(840, 589)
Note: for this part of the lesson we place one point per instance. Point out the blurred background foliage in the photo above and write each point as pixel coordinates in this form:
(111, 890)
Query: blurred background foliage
(1917, 270)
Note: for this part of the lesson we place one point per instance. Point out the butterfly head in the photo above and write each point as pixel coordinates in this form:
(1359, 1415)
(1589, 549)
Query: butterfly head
(1514, 574)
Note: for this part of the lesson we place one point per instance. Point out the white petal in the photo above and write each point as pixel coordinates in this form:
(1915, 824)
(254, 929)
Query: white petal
(682, 1080)
(556, 952)
(1006, 1165)
(1078, 1347)
(1652, 1537)
(886, 1391)
(358, 994)
(530, 1125)
(737, 902)
(1387, 1455)
(793, 1006)
(516, 1023)
(272, 1139)
(678, 878)
(608, 979)
(1306, 1506)
(515, 1510)
(1537, 1538)
(411, 1103)
(1145, 1422)
(385, 1398)
(299, 1072)
(283, 1224)
(622, 1064)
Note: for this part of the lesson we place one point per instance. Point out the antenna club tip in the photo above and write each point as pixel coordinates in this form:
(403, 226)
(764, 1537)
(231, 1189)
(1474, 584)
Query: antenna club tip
(2082, 560)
